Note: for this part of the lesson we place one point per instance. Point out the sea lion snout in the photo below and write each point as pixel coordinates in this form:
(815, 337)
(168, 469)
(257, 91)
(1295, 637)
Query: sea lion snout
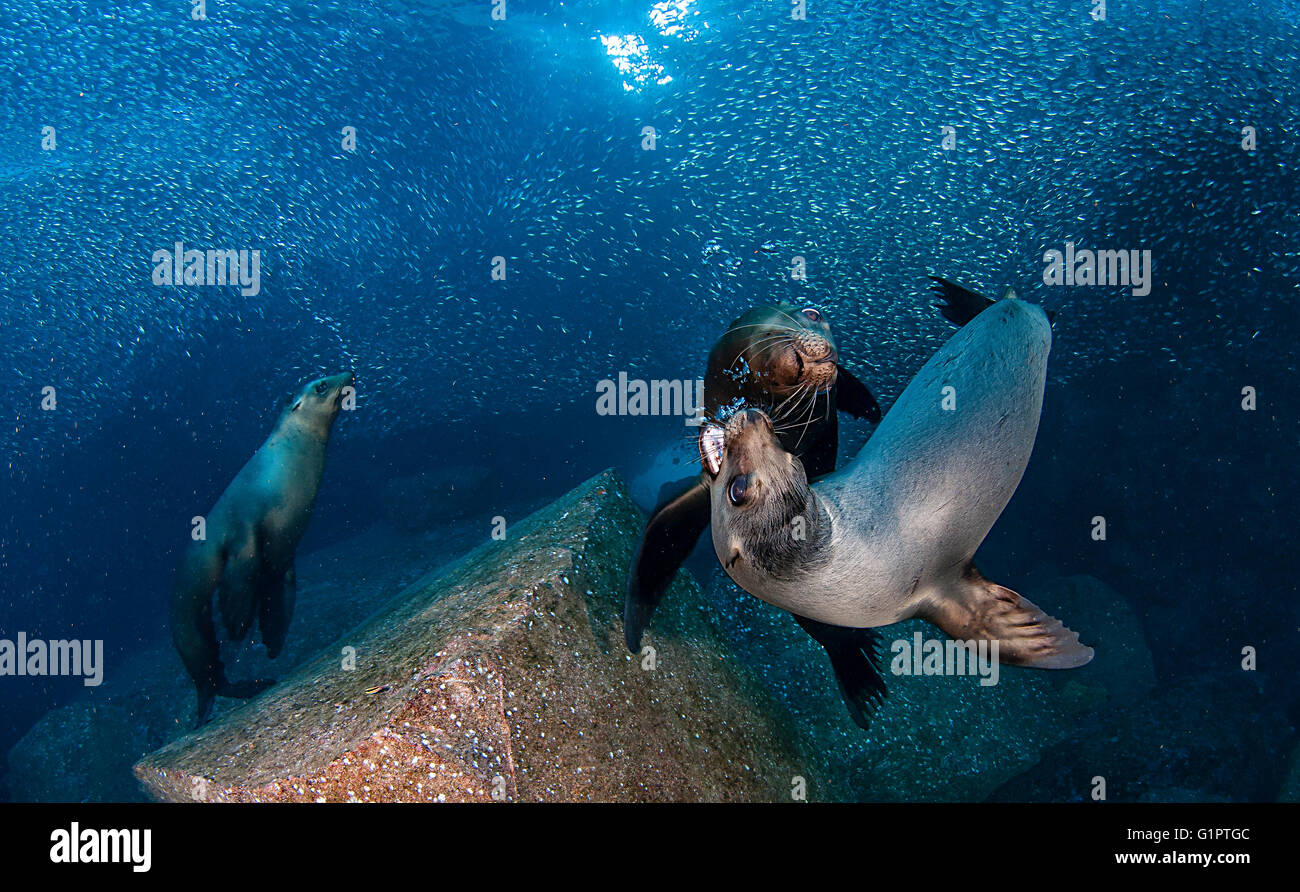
(814, 346)
(751, 446)
(339, 382)
(745, 420)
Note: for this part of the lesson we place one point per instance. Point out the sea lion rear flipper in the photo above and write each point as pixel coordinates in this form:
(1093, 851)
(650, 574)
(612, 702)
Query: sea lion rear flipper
(852, 396)
(853, 654)
(276, 602)
(960, 305)
(1026, 636)
(238, 589)
(190, 621)
(670, 535)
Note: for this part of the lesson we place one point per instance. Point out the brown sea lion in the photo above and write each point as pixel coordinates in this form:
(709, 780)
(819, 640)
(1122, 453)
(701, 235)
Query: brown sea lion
(781, 358)
(893, 534)
(250, 538)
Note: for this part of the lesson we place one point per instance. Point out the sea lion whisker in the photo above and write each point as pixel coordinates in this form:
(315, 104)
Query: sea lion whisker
(787, 328)
(765, 344)
(777, 412)
(791, 318)
(812, 410)
(798, 395)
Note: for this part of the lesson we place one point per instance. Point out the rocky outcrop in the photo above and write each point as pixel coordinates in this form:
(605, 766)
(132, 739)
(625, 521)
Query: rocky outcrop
(505, 678)
(84, 750)
(502, 675)
(422, 501)
(77, 752)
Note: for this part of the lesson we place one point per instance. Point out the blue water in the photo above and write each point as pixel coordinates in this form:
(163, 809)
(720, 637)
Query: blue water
(524, 139)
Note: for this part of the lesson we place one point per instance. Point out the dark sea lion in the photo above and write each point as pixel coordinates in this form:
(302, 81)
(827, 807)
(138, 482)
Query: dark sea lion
(892, 535)
(784, 359)
(251, 535)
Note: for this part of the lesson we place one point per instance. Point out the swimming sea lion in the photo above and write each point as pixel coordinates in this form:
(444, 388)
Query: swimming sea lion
(892, 535)
(251, 535)
(783, 359)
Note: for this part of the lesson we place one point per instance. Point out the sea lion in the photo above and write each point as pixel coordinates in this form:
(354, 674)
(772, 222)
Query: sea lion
(784, 359)
(251, 535)
(892, 535)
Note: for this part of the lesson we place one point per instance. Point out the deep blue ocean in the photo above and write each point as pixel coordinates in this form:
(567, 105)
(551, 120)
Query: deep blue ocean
(881, 142)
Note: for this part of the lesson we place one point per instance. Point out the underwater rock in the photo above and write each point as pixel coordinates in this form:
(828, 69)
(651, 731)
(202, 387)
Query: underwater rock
(421, 501)
(1213, 737)
(75, 753)
(505, 677)
(339, 586)
(1290, 791)
(677, 460)
(940, 737)
(1123, 667)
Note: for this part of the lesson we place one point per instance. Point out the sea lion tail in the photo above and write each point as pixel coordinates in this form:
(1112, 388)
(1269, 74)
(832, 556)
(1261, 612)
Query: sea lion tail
(670, 535)
(977, 609)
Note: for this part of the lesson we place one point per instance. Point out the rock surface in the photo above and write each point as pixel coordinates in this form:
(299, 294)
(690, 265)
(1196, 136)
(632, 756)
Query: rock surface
(76, 753)
(505, 677)
(147, 699)
(504, 672)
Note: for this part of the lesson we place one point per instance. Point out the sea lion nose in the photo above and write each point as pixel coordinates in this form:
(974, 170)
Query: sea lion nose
(813, 346)
(755, 416)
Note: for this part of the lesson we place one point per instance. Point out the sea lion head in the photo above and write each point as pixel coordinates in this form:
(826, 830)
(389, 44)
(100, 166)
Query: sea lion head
(778, 356)
(315, 406)
(764, 516)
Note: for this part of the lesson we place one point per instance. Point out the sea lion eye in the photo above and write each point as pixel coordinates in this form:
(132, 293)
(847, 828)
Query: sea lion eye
(321, 388)
(739, 486)
(812, 314)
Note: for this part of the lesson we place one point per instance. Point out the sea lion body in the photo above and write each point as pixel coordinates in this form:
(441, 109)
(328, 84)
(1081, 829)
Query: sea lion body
(892, 535)
(251, 535)
(784, 360)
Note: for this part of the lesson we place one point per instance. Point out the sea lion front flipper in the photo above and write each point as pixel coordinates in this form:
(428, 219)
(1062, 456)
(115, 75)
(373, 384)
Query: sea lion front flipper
(275, 609)
(960, 305)
(853, 654)
(852, 396)
(977, 609)
(670, 535)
